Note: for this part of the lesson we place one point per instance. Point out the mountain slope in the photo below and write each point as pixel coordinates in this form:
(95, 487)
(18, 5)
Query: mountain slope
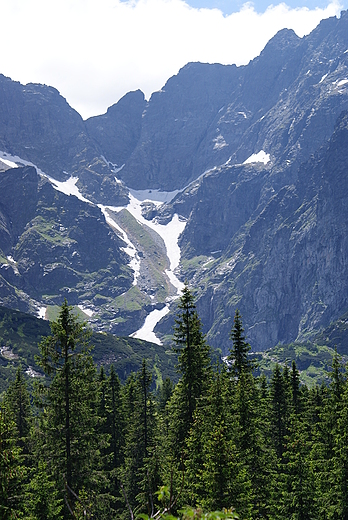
(256, 172)
(21, 333)
(39, 126)
(54, 246)
(285, 101)
(286, 267)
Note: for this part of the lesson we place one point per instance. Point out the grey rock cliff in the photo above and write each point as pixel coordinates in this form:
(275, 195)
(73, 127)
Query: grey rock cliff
(56, 246)
(39, 126)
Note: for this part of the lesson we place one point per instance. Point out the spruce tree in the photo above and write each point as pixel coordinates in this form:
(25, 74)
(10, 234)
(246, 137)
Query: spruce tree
(194, 365)
(12, 471)
(329, 454)
(214, 476)
(295, 389)
(115, 421)
(69, 419)
(296, 484)
(280, 413)
(238, 356)
(139, 477)
(18, 401)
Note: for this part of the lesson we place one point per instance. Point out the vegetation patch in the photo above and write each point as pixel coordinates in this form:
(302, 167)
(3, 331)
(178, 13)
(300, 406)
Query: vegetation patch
(313, 361)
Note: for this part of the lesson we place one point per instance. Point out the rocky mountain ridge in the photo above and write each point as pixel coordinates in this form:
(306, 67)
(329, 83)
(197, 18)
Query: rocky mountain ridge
(256, 167)
(285, 269)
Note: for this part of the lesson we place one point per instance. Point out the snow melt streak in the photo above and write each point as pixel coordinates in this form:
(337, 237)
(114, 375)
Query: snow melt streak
(146, 332)
(130, 250)
(168, 232)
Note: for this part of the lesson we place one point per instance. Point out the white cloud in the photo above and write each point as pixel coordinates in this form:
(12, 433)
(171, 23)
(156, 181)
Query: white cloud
(94, 51)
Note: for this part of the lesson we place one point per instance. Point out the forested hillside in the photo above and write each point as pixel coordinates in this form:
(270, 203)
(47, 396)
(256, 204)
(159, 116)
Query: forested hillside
(86, 446)
(20, 334)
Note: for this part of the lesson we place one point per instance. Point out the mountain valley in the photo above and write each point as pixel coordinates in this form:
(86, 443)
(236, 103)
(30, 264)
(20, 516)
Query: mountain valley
(232, 178)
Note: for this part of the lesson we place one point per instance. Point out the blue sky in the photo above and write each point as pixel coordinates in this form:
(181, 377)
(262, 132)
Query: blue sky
(232, 6)
(95, 51)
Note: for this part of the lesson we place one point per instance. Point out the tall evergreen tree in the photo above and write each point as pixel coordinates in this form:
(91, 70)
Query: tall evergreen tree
(139, 477)
(240, 362)
(12, 470)
(215, 474)
(295, 485)
(111, 435)
(18, 402)
(295, 389)
(280, 412)
(115, 421)
(194, 363)
(69, 403)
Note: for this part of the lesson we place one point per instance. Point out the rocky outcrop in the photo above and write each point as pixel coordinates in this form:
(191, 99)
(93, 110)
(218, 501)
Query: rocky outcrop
(285, 101)
(38, 125)
(117, 132)
(285, 269)
(54, 246)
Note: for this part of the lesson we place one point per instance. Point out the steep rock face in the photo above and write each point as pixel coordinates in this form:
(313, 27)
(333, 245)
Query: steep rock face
(18, 205)
(117, 132)
(57, 246)
(286, 268)
(285, 101)
(39, 126)
(266, 237)
(174, 125)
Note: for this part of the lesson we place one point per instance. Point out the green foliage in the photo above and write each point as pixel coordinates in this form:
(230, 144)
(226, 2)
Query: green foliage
(12, 471)
(238, 357)
(22, 332)
(42, 497)
(313, 361)
(18, 402)
(222, 443)
(197, 513)
(193, 355)
(69, 418)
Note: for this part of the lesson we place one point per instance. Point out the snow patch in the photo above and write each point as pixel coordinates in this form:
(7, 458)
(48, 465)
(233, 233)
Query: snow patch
(155, 196)
(13, 264)
(8, 353)
(170, 234)
(219, 142)
(18, 161)
(11, 164)
(42, 313)
(87, 311)
(322, 79)
(130, 249)
(260, 157)
(68, 187)
(33, 373)
(146, 332)
(342, 82)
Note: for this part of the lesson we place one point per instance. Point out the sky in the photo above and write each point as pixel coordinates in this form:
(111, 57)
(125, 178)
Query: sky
(95, 51)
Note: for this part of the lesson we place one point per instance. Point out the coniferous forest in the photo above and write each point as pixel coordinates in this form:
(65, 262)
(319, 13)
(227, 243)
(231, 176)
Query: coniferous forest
(221, 443)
